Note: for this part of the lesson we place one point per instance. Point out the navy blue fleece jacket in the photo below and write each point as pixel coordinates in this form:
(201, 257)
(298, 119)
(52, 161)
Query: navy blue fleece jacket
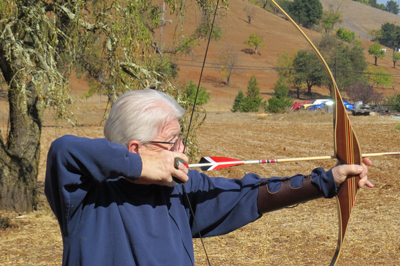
(107, 220)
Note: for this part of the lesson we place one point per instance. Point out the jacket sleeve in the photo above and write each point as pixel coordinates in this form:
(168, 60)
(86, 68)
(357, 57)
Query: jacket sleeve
(75, 164)
(223, 205)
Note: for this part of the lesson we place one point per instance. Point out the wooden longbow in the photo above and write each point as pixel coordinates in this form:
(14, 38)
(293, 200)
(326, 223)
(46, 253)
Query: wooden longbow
(347, 150)
(346, 147)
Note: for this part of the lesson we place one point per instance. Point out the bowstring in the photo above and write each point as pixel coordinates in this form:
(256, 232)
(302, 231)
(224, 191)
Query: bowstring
(201, 74)
(188, 131)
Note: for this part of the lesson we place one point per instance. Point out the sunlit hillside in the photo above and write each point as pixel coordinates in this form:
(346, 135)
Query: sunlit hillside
(279, 35)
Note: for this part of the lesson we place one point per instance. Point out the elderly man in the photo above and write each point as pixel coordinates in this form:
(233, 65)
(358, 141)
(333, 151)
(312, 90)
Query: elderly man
(117, 204)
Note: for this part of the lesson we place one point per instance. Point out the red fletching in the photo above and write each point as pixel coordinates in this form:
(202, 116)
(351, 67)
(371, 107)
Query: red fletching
(216, 163)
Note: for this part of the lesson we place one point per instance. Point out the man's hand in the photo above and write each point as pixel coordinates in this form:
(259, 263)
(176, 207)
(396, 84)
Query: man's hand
(159, 168)
(340, 173)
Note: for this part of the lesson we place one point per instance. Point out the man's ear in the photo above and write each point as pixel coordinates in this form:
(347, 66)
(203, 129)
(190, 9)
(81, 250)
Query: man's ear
(133, 146)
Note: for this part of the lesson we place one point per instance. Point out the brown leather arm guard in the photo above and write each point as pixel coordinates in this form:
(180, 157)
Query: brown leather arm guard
(286, 195)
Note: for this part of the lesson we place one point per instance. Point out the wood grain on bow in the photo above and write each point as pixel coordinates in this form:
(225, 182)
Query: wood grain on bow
(347, 149)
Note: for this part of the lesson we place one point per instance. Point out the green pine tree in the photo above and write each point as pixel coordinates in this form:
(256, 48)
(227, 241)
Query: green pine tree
(253, 99)
(237, 103)
(280, 100)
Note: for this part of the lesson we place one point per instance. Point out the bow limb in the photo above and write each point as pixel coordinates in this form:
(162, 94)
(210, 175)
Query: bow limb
(347, 149)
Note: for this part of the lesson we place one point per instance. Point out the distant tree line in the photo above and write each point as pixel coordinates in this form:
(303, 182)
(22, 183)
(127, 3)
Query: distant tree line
(388, 35)
(303, 70)
(391, 6)
(344, 54)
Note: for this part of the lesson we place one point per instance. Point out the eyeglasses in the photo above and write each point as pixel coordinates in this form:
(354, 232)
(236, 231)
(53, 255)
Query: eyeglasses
(176, 143)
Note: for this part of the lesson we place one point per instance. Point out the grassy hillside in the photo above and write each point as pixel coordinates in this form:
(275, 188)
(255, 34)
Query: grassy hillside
(279, 35)
(360, 18)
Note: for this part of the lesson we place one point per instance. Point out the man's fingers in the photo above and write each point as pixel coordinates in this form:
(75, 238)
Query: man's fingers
(352, 169)
(367, 161)
(160, 168)
(179, 174)
(181, 170)
(181, 156)
(365, 182)
(341, 172)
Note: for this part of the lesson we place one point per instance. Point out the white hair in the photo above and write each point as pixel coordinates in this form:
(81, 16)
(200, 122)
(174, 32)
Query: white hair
(140, 115)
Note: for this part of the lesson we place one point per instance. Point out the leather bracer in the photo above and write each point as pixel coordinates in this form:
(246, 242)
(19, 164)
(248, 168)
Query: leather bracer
(286, 195)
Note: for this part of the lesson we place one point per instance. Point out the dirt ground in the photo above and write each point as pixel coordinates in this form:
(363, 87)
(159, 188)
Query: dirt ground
(305, 235)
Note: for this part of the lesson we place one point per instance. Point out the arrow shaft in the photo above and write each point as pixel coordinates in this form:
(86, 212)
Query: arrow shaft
(234, 163)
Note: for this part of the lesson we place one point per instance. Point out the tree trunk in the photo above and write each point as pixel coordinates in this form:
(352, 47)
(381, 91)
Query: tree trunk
(20, 154)
(309, 86)
(255, 50)
(376, 61)
(228, 79)
(394, 63)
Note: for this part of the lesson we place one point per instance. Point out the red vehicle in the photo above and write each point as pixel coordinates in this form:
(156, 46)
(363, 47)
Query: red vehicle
(296, 105)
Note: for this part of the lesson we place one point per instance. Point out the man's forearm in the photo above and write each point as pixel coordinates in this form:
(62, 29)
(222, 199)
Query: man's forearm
(280, 193)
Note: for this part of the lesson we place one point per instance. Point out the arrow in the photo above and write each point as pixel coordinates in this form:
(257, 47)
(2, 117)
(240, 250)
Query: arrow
(214, 163)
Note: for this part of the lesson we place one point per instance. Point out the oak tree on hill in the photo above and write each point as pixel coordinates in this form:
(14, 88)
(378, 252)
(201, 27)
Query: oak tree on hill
(330, 19)
(392, 7)
(306, 12)
(229, 59)
(308, 70)
(389, 36)
(375, 4)
(376, 51)
(254, 41)
(345, 35)
(375, 34)
(42, 42)
(285, 68)
(263, 3)
(395, 57)
(341, 55)
(377, 76)
(250, 12)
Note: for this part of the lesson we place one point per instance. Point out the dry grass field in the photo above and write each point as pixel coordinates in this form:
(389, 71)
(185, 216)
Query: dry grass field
(305, 235)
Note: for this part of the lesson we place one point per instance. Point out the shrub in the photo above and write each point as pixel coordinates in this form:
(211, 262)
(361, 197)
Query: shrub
(190, 91)
(396, 127)
(397, 103)
(393, 102)
(363, 92)
(345, 35)
(5, 223)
